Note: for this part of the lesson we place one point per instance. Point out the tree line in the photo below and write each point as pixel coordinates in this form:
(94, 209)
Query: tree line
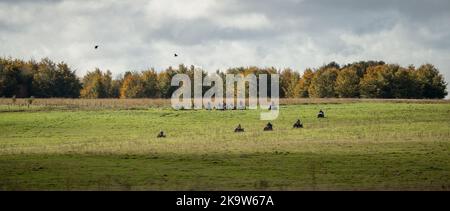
(364, 79)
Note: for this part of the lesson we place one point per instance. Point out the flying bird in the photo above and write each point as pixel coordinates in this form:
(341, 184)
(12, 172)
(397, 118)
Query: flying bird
(96, 47)
(175, 55)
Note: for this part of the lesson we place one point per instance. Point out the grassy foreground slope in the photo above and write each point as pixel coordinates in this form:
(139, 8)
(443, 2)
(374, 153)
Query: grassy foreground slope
(360, 146)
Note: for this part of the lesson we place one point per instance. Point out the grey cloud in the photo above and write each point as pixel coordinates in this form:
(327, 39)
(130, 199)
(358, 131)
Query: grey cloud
(219, 34)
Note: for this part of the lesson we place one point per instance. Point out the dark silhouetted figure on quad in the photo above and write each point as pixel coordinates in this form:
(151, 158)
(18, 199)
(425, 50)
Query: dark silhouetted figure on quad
(321, 114)
(298, 124)
(161, 134)
(239, 129)
(269, 127)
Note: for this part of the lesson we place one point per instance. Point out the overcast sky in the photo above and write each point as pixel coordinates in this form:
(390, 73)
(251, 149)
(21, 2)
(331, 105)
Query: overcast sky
(134, 35)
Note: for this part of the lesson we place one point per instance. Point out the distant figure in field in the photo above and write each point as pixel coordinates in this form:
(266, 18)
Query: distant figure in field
(298, 124)
(321, 114)
(161, 134)
(269, 127)
(239, 129)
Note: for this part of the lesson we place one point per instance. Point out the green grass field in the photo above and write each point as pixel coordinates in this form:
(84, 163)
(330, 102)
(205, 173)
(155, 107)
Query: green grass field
(359, 146)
